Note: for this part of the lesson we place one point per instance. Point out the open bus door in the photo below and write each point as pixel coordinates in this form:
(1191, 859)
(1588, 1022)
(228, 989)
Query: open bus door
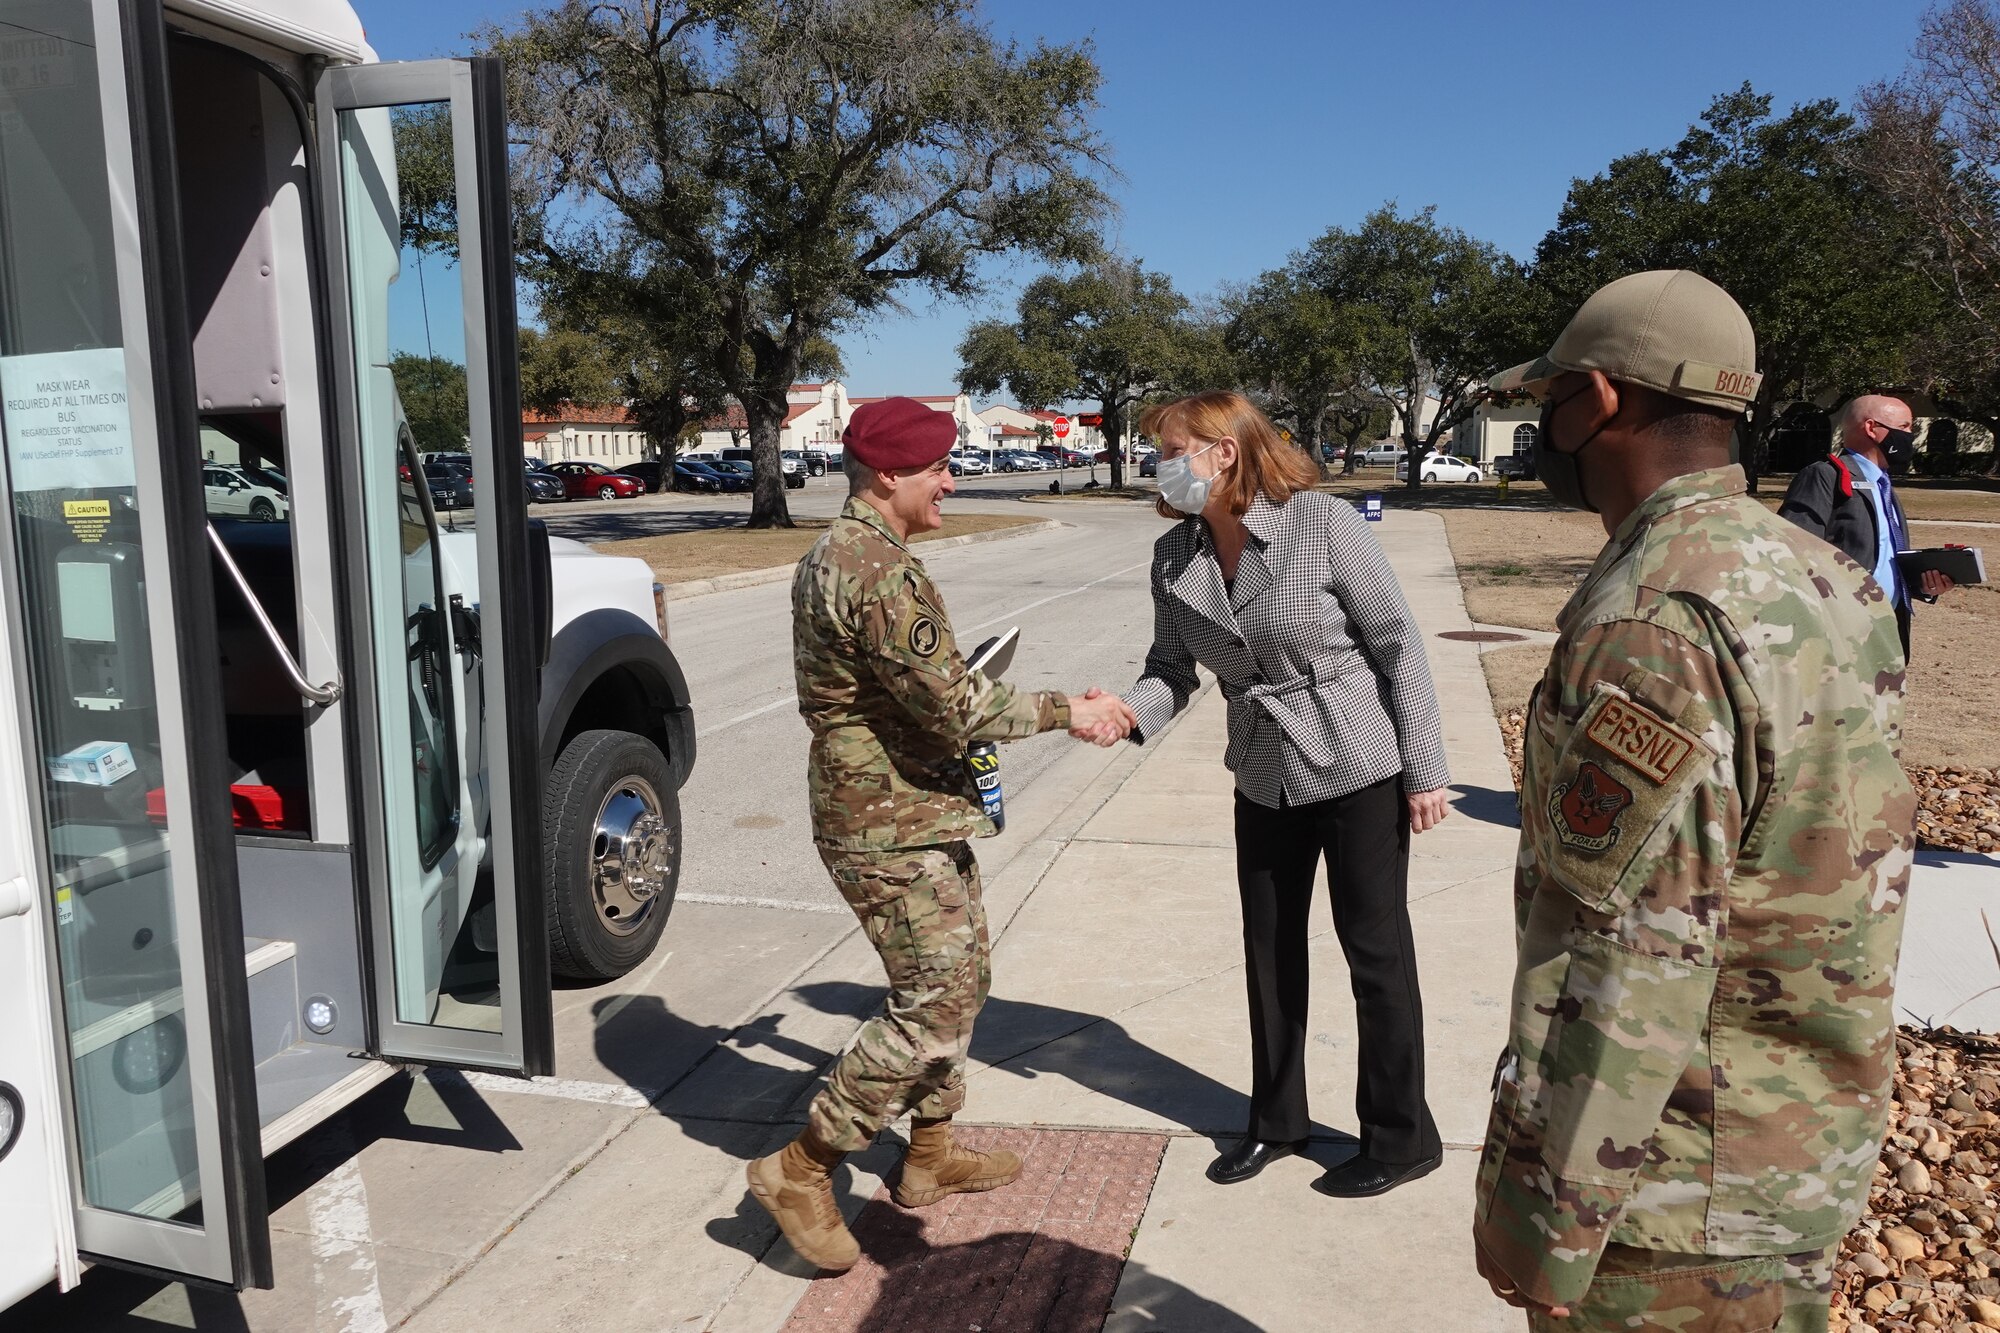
(456, 797)
(107, 575)
(175, 1064)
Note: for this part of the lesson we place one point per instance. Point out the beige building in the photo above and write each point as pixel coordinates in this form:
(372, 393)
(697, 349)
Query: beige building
(606, 435)
(1497, 427)
(815, 416)
(1425, 418)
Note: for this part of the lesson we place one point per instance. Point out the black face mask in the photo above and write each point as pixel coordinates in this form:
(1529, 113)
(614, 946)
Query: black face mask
(1557, 470)
(1898, 446)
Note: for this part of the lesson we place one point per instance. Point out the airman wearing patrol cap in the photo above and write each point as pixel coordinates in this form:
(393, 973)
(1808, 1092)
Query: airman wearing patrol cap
(1716, 839)
(892, 707)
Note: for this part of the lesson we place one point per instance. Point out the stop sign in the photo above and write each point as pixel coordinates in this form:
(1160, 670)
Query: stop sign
(1062, 428)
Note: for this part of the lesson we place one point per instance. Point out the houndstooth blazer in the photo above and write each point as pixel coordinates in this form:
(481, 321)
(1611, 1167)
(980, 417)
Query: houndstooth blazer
(1328, 686)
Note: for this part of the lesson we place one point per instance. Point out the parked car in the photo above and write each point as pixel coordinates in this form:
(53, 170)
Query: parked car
(1333, 453)
(543, 486)
(795, 475)
(450, 485)
(1377, 454)
(1066, 457)
(648, 473)
(968, 463)
(812, 461)
(691, 475)
(581, 481)
(1521, 467)
(1149, 466)
(239, 492)
(1442, 467)
(726, 478)
(793, 468)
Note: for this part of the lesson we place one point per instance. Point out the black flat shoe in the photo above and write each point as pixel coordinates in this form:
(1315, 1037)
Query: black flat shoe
(1247, 1158)
(1363, 1177)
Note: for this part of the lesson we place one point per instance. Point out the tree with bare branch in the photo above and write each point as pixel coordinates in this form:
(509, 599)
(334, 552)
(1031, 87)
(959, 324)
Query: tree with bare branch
(804, 163)
(1931, 143)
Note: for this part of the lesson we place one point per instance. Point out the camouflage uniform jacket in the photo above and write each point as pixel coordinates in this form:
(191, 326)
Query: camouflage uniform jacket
(889, 699)
(1716, 838)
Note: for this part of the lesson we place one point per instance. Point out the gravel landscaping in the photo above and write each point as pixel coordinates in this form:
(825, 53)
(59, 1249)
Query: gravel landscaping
(1927, 1254)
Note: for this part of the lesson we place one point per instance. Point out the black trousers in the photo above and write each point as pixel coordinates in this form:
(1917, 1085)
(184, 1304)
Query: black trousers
(1365, 838)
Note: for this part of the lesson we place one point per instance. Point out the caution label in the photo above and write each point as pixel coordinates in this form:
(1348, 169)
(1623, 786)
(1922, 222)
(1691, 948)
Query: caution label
(87, 519)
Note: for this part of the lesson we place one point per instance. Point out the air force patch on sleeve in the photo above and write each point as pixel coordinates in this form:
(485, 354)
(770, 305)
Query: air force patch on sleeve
(1621, 793)
(1585, 810)
(924, 635)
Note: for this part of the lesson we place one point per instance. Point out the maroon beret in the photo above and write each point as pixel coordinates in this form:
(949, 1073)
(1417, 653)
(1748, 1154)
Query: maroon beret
(898, 433)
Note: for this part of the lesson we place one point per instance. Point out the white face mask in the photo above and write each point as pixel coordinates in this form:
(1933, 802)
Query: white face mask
(1180, 487)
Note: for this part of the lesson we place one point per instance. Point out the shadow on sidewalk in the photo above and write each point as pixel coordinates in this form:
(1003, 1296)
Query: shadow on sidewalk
(1486, 805)
(113, 1300)
(1028, 1040)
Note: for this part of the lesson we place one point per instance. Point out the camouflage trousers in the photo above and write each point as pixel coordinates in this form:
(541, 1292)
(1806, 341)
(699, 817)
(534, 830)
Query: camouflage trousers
(923, 914)
(1702, 1293)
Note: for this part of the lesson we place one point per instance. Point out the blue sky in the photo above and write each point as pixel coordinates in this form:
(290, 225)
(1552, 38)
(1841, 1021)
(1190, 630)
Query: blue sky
(1241, 131)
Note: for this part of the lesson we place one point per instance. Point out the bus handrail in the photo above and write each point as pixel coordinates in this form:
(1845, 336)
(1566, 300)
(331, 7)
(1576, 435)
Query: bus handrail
(321, 695)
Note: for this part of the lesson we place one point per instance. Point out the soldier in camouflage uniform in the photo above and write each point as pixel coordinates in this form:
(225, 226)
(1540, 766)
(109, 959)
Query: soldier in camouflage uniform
(892, 706)
(1716, 838)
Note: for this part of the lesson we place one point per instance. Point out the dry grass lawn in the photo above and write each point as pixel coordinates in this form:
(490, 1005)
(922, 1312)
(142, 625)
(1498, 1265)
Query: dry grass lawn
(1953, 712)
(1949, 505)
(682, 557)
(1518, 567)
(1953, 708)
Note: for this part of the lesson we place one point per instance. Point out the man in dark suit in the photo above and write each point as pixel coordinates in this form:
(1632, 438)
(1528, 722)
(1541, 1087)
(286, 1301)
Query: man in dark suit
(1846, 499)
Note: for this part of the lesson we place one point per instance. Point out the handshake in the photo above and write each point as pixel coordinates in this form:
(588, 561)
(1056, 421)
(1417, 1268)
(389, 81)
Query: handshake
(1100, 718)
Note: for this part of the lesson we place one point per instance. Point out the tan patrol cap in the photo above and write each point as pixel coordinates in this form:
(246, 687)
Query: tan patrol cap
(1667, 329)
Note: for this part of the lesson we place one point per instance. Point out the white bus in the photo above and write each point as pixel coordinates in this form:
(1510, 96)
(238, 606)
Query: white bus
(294, 796)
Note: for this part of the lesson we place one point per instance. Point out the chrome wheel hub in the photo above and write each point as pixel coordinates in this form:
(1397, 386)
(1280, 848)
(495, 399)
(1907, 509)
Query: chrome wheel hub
(631, 855)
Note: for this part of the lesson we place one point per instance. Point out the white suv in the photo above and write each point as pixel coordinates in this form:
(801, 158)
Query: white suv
(968, 462)
(233, 491)
(1442, 467)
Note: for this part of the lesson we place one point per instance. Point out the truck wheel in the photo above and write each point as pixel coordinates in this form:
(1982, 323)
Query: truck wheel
(611, 845)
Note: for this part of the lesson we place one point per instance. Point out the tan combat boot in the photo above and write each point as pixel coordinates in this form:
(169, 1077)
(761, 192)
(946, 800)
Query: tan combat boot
(795, 1184)
(937, 1166)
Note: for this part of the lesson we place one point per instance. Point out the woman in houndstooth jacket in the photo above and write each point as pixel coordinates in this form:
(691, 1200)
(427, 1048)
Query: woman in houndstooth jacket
(1283, 592)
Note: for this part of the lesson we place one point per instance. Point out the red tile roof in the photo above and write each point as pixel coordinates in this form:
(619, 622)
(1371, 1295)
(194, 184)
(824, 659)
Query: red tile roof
(581, 414)
(734, 418)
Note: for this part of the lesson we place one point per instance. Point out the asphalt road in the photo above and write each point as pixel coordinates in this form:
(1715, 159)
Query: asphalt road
(1078, 593)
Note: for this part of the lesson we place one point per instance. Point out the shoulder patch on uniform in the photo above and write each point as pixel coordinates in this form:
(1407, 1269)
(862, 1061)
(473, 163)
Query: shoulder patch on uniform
(1647, 743)
(924, 635)
(1585, 810)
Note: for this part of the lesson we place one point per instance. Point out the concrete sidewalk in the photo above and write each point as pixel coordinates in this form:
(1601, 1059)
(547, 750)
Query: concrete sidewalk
(1119, 1002)
(1118, 1006)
